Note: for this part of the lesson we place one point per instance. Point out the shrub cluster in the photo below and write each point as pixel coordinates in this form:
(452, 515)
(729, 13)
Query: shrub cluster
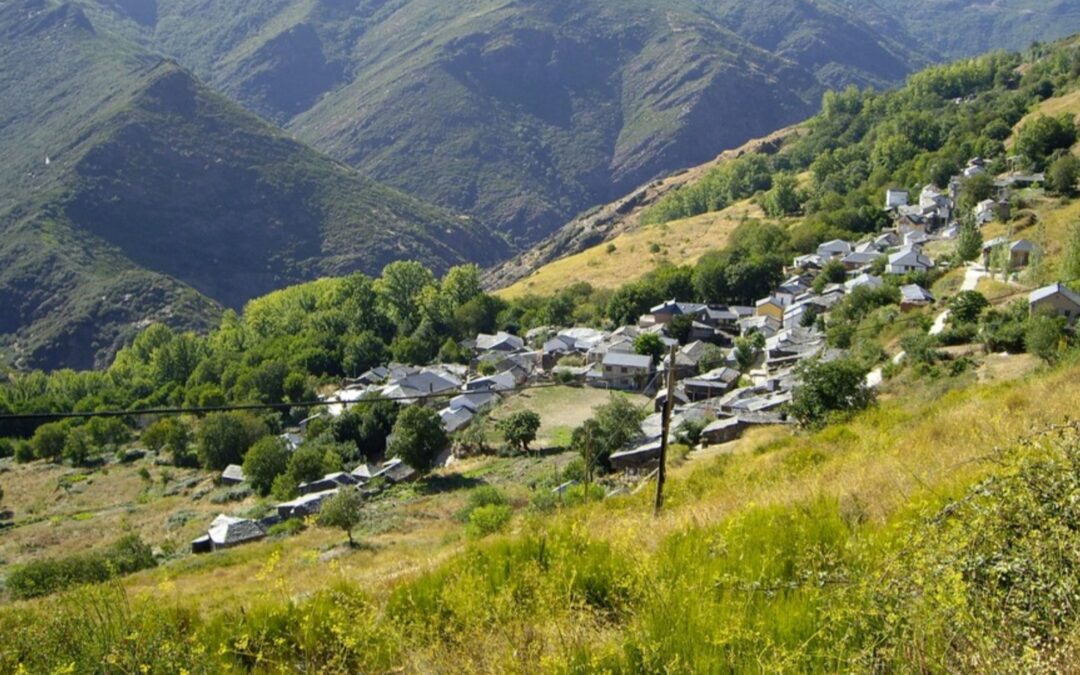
(43, 577)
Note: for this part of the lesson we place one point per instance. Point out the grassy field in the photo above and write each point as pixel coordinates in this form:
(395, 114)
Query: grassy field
(421, 598)
(561, 409)
(637, 252)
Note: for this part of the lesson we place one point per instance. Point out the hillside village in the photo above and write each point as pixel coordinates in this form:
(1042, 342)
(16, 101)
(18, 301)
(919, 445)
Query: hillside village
(863, 380)
(776, 335)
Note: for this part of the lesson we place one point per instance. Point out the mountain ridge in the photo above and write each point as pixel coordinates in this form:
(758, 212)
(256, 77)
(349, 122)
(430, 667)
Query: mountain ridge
(151, 197)
(523, 114)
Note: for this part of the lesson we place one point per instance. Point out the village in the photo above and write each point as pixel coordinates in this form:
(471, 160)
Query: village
(751, 383)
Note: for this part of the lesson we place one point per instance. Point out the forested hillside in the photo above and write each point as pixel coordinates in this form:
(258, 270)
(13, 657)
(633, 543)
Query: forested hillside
(524, 113)
(829, 180)
(132, 193)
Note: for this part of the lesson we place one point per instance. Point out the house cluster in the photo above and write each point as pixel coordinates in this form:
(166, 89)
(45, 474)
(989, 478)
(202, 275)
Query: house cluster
(448, 388)
(227, 531)
(724, 400)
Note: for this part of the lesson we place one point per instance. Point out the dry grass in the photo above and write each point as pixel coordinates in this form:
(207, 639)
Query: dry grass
(561, 409)
(911, 450)
(96, 509)
(877, 463)
(681, 242)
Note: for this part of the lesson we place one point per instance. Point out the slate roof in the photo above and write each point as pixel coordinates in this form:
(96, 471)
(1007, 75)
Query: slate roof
(836, 246)
(455, 418)
(503, 381)
(863, 280)
(363, 472)
(233, 473)
(861, 258)
(1054, 289)
(304, 505)
(620, 359)
(915, 293)
(502, 341)
(396, 471)
(474, 400)
(910, 257)
(228, 531)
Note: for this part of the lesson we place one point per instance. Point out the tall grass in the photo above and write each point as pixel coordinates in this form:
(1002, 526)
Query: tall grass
(852, 549)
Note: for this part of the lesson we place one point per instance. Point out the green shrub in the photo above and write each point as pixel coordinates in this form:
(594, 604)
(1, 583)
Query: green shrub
(287, 528)
(485, 495)
(543, 501)
(44, 577)
(574, 470)
(575, 494)
(489, 519)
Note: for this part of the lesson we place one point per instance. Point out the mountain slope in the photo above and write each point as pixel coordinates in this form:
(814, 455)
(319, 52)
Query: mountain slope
(159, 192)
(523, 113)
(959, 28)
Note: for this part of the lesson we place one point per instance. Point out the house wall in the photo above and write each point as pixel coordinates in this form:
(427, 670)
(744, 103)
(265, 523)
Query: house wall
(1059, 305)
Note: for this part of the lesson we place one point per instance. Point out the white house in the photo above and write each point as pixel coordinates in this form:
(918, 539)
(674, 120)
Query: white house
(908, 259)
(837, 248)
(895, 198)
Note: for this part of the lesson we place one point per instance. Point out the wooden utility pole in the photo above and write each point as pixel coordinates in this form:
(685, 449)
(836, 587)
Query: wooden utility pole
(661, 471)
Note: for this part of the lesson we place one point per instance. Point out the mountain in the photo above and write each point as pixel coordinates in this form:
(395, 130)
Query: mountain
(521, 113)
(131, 192)
(960, 28)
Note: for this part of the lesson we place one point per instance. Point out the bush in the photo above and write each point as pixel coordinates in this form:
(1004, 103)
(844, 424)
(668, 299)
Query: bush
(1044, 337)
(43, 577)
(543, 501)
(574, 470)
(827, 387)
(486, 495)
(958, 334)
(286, 528)
(966, 306)
(24, 452)
(575, 495)
(48, 441)
(489, 519)
(7, 448)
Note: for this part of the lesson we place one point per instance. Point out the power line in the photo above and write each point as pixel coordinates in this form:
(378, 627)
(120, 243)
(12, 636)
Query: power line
(280, 407)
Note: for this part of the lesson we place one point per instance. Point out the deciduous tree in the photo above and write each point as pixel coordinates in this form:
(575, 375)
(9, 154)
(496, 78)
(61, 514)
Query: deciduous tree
(418, 438)
(519, 429)
(343, 510)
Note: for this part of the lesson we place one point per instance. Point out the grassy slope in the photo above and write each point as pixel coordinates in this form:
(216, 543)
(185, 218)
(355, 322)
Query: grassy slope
(921, 446)
(680, 242)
